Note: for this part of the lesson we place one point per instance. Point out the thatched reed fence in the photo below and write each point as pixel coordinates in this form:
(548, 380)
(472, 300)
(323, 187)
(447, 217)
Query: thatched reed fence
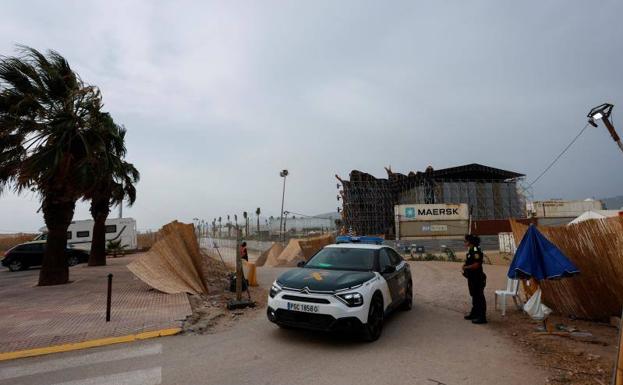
(596, 248)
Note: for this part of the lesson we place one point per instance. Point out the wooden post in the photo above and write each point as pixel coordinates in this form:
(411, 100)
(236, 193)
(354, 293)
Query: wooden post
(618, 365)
(613, 133)
(108, 297)
(239, 274)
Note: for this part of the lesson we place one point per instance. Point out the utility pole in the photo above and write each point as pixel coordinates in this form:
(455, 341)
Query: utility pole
(602, 112)
(239, 275)
(239, 303)
(283, 174)
(285, 220)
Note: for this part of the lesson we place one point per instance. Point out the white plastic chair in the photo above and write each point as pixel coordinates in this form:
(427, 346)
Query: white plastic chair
(512, 290)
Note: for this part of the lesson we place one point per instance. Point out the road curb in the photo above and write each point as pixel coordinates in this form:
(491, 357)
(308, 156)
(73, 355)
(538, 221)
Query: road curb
(87, 344)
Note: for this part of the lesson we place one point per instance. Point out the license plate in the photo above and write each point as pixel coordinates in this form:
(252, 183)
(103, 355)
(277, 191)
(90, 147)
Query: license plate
(303, 307)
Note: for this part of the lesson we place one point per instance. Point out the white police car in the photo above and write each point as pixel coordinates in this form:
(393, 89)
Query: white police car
(351, 285)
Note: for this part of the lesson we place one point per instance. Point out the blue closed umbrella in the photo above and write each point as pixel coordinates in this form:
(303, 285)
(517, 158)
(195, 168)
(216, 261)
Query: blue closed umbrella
(538, 258)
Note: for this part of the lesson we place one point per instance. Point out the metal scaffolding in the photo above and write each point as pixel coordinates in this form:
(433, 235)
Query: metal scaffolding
(368, 202)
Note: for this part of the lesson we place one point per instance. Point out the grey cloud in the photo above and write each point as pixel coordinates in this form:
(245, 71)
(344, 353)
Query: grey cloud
(219, 96)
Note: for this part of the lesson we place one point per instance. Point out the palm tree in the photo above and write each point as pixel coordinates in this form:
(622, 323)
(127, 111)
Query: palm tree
(257, 213)
(246, 223)
(45, 142)
(114, 182)
(228, 227)
(220, 226)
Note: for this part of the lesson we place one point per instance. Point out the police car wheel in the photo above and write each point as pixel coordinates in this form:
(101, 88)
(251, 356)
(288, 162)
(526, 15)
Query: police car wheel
(374, 327)
(408, 302)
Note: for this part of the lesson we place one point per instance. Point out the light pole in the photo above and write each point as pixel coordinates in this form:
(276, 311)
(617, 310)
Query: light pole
(602, 112)
(283, 174)
(285, 223)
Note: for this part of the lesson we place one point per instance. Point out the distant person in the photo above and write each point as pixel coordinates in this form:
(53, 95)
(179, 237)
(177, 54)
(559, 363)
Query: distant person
(476, 280)
(244, 253)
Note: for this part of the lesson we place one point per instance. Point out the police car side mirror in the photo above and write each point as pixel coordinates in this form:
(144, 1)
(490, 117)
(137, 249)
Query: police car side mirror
(300, 264)
(388, 269)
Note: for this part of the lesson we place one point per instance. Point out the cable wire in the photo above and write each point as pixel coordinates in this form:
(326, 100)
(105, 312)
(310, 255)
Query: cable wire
(558, 157)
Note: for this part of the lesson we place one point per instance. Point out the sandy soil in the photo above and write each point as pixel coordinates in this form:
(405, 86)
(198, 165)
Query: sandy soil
(569, 359)
(577, 359)
(210, 314)
(581, 358)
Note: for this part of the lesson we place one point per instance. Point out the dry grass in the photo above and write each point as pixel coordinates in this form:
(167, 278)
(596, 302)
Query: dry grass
(9, 240)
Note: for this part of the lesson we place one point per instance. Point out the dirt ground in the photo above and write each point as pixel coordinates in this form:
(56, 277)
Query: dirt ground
(210, 314)
(577, 352)
(584, 357)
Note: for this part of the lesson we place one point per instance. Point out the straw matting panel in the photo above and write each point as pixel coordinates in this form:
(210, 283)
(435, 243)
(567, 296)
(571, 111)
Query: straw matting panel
(269, 257)
(291, 254)
(173, 264)
(311, 246)
(596, 248)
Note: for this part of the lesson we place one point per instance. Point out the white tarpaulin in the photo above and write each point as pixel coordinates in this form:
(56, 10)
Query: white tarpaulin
(595, 214)
(535, 309)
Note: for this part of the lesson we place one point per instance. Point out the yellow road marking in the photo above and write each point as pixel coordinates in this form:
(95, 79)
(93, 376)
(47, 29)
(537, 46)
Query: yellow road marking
(87, 344)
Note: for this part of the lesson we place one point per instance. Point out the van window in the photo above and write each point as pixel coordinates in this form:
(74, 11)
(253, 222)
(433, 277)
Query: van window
(44, 236)
(82, 234)
(111, 229)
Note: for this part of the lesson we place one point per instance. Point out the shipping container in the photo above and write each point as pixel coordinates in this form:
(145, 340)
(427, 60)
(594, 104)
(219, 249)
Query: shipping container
(563, 209)
(431, 220)
(507, 243)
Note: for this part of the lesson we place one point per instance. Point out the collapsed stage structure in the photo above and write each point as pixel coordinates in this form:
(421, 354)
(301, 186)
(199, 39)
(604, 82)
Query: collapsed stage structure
(491, 194)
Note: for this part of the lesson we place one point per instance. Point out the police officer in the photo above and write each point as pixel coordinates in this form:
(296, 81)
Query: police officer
(476, 280)
(244, 252)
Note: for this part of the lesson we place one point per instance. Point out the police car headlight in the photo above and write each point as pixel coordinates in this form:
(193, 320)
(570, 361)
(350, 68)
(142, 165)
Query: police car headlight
(274, 290)
(351, 299)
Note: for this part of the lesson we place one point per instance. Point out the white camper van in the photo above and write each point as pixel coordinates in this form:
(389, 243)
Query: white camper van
(80, 233)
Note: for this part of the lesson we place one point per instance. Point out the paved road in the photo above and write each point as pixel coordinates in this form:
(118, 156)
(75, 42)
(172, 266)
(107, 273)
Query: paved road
(430, 343)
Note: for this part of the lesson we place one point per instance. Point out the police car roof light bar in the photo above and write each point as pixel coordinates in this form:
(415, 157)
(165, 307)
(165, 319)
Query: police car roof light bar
(363, 239)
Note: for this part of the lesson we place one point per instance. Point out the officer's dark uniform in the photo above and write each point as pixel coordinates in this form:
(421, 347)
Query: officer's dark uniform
(476, 281)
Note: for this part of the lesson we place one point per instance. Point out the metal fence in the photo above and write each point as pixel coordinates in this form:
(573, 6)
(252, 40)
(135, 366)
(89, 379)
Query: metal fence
(226, 248)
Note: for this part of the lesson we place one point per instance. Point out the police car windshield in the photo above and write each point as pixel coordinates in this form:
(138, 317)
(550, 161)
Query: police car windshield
(341, 258)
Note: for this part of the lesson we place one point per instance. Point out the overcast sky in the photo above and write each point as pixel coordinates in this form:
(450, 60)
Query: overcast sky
(218, 97)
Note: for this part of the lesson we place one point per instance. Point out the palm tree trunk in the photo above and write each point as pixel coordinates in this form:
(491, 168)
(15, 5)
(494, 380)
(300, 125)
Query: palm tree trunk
(57, 214)
(99, 211)
(258, 227)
